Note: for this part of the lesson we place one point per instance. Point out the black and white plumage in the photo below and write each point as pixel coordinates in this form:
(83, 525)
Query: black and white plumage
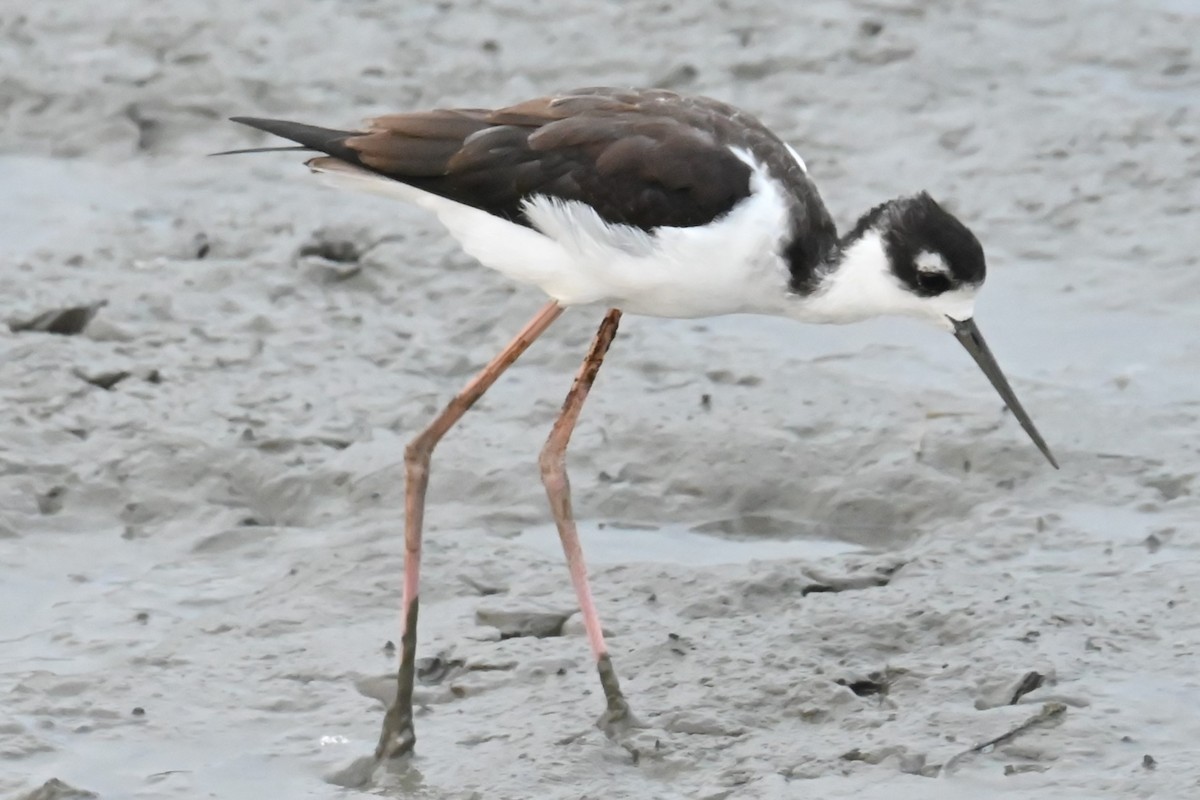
(651, 203)
(664, 205)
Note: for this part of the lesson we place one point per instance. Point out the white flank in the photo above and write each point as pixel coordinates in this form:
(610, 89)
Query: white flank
(520, 253)
(729, 266)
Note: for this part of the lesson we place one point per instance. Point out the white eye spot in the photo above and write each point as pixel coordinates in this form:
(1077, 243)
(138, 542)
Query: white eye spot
(932, 264)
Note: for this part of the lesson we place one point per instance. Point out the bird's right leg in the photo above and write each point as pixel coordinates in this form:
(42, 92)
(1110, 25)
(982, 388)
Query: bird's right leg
(553, 462)
(398, 737)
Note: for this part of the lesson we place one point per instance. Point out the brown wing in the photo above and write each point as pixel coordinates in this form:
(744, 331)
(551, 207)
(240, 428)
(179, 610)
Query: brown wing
(641, 158)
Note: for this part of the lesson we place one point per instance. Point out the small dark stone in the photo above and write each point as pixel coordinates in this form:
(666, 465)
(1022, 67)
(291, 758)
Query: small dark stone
(865, 687)
(1031, 681)
(142, 617)
(51, 501)
(870, 27)
(138, 711)
(61, 321)
(331, 247)
(706, 401)
(104, 380)
(1148, 761)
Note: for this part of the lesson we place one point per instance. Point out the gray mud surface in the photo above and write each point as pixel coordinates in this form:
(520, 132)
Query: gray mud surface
(826, 558)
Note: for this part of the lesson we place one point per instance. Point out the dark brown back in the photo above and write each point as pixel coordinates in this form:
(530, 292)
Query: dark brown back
(641, 157)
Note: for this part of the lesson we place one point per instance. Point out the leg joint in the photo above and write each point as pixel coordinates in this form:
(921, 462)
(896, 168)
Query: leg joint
(417, 452)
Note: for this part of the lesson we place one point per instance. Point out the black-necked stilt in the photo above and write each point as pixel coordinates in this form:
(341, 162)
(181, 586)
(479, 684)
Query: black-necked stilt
(646, 202)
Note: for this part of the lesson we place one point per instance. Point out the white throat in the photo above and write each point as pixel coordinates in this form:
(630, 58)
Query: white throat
(864, 286)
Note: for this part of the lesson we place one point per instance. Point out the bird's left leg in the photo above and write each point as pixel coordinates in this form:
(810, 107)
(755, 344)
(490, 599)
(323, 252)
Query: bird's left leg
(554, 476)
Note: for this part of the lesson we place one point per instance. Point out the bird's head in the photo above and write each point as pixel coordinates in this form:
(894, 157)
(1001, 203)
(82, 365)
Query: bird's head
(911, 257)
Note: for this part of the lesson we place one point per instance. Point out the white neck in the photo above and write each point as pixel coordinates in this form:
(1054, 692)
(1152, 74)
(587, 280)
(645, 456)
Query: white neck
(861, 284)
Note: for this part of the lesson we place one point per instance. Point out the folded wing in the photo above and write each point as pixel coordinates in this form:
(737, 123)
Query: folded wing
(634, 158)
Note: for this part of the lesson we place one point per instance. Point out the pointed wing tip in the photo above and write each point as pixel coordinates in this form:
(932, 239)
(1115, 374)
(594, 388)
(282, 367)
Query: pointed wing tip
(258, 123)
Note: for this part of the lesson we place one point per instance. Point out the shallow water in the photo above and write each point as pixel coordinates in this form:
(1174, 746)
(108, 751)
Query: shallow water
(617, 543)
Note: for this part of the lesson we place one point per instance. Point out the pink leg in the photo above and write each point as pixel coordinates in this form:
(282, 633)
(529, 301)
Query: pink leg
(554, 475)
(397, 736)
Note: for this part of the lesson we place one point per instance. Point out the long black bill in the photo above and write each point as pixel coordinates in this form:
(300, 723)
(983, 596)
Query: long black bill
(967, 333)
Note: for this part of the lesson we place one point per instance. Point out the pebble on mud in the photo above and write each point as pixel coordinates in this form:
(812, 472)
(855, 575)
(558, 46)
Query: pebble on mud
(513, 623)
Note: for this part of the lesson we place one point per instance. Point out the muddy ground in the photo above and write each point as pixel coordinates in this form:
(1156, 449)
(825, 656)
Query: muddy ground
(826, 557)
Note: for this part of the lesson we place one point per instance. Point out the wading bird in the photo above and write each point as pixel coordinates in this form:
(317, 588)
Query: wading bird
(641, 202)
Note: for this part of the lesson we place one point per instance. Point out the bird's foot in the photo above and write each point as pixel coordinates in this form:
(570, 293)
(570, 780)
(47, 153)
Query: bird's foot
(618, 720)
(642, 741)
(397, 737)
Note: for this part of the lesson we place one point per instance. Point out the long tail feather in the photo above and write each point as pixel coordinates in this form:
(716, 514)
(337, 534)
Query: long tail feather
(261, 150)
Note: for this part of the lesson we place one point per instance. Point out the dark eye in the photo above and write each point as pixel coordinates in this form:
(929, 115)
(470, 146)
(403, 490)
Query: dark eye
(932, 283)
